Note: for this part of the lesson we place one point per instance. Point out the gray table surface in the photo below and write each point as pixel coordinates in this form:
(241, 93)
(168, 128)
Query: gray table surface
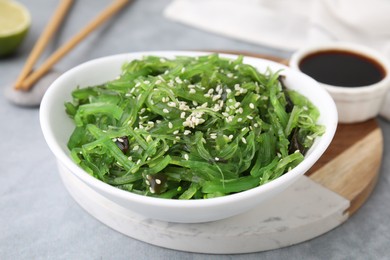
(39, 219)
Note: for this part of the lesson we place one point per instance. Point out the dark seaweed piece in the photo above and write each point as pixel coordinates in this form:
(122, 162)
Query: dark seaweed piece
(123, 143)
(295, 143)
(290, 104)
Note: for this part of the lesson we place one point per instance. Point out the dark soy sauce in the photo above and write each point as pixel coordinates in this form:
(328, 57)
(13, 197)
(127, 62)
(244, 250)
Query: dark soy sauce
(342, 68)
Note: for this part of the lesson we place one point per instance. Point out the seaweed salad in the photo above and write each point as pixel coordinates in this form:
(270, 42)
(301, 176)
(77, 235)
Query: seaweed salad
(190, 127)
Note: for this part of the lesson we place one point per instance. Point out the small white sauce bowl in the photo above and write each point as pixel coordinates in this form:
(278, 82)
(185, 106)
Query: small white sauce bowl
(57, 128)
(354, 104)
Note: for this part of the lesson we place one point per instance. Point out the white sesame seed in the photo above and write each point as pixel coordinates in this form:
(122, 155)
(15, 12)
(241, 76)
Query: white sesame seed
(216, 108)
(216, 158)
(170, 125)
(200, 121)
(120, 140)
(237, 104)
(183, 106)
(135, 147)
(239, 119)
(130, 158)
(243, 140)
(194, 103)
(183, 115)
(240, 110)
(139, 161)
(151, 190)
(231, 137)
(251, 105)
(249, 117)
(165, 110)
(216, 97)
(146, 81)
(171, 104)
(187, 132)
(158, 181)
(243, 129)
(191, 86)
(243, 90)
(175, 132)
(158, 82)
(114, 139)
(236, 67)
(137, 84)
(192, 91)
(147, 182)
(211, 90)
(186, 157)
(228, 90)
(178, 80)
(206, 95)
(237, 87)
(183, 70)
(229, 75)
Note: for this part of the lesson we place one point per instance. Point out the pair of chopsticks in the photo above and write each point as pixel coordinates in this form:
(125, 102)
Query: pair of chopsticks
(26, 79)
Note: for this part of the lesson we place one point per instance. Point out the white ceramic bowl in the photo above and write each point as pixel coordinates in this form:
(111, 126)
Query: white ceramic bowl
(57, 127)
(354, 104)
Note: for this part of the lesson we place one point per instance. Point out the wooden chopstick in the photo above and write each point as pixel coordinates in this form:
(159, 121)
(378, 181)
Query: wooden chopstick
(64, 49)
(43, 40)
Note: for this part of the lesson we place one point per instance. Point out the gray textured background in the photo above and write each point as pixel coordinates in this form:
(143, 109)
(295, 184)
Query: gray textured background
(38, 218)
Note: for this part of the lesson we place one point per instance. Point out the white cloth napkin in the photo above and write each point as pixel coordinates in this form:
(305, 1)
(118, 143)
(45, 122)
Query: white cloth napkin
(291, 24)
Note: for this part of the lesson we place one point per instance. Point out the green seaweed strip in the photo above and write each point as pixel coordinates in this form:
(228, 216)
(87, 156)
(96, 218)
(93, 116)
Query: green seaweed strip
(190, 127)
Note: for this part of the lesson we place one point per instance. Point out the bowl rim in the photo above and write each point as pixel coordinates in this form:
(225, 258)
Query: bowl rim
(66, 161)
(351, 47)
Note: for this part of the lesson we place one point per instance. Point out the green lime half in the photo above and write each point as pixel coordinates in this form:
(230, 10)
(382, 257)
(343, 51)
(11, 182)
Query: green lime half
(15, 22)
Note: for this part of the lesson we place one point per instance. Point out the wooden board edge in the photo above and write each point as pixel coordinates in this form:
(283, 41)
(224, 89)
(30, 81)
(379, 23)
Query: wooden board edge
(354, 173)
(355, 192)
